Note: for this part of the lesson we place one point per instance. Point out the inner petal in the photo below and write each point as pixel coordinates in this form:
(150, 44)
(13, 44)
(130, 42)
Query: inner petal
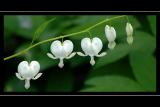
(96, 45)
(57, 49)
(87, 46)
(24, 69)
(67, 47)
(34, 68)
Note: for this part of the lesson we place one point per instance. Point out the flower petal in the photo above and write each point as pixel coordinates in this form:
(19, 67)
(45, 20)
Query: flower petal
(110, 33)
(61, 64)
(67, 47)
(57, 49)
(111, 45)
(51, 56)
(92, 61)
(130, 40)
(27, 83)
(35, 67)
(19, 77)
(114, 32)
(24, 70)
(102, 54)
(37, 76)
(96, 45)
(81, 54)
(71, 55)
(129, 29)
(106, 29)
(86, 46)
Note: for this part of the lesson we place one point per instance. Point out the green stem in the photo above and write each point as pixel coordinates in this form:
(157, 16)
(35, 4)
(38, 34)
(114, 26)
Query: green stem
(68, 35)
(90, 34)
(106, 20)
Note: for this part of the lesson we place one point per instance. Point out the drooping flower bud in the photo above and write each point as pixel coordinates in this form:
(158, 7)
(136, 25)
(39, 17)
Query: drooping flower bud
(129, 31)
(111, 36)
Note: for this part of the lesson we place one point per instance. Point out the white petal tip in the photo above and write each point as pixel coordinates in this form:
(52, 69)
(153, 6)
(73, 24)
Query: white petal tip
(92, 63)
(102, 54)
(18, 76)
(37, 76)
(71, 55)
(61, 65)
(81, 54)
(27, 87)
(130, 40)
(111, 45)
(51, 56)
(27, 84)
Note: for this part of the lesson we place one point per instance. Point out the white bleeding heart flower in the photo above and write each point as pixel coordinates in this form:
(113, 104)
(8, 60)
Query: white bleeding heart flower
(129, 31)
(28, 71)
(111, 36)
(91, 48)
(61, 51)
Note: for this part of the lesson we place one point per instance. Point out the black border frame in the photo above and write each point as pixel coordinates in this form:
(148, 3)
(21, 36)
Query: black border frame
(84, 13)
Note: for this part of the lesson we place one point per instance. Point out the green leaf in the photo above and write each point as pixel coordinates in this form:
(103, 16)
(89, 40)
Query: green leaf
(120, 51)
(144, 68)
(152, 22)
(41, 28)
(143, 42)
(142, 61)
(120, 67)
(111, 83)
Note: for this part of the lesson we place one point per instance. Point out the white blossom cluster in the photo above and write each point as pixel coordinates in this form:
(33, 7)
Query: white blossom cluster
(64, 50)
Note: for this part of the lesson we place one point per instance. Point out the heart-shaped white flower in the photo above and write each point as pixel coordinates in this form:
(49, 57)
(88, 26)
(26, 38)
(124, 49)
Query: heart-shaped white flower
(129, 31)
(111, 36)
(91, 48)
(61, 51)
(28, 71)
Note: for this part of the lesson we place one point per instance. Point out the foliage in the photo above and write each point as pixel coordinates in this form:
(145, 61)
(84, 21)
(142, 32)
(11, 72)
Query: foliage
(127, 68)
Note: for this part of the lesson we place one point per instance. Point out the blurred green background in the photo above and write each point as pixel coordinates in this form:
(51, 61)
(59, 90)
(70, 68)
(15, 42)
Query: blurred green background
(127, 68)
